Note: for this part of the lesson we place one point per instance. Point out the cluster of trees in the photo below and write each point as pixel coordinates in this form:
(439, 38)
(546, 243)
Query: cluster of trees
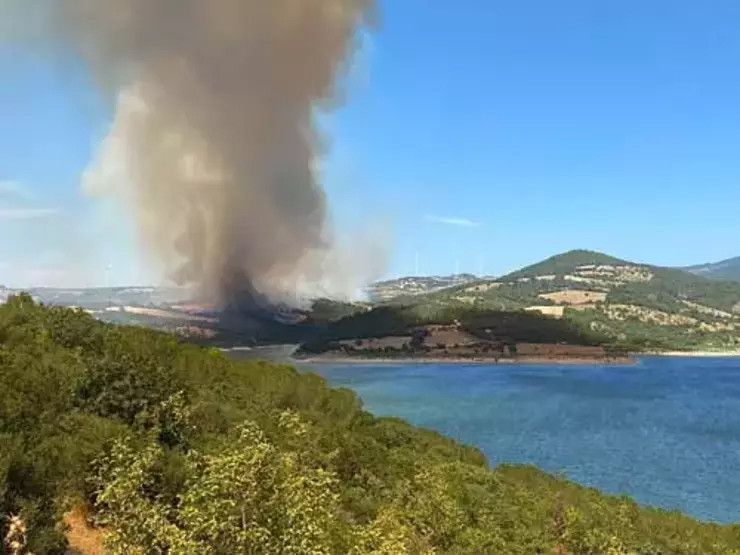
(174, 448)
(527, 327)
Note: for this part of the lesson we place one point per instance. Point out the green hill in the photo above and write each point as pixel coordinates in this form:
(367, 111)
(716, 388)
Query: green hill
(562, 264)
(648, 307)
(173, 448)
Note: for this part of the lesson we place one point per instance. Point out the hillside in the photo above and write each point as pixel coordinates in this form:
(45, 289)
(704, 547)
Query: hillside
(726, 269)
(170, 448)
(645, 306)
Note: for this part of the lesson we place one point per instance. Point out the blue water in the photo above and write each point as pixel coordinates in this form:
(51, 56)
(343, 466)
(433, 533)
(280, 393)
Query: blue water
(665, 431)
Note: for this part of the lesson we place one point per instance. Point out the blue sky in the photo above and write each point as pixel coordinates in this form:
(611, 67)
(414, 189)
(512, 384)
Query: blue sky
(485, 134)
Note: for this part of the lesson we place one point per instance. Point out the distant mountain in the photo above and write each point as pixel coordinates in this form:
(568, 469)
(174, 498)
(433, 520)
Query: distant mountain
(98, 298)
(415, 285)
(725, 269)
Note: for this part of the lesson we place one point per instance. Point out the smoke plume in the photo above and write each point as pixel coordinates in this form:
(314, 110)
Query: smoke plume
(213, 144)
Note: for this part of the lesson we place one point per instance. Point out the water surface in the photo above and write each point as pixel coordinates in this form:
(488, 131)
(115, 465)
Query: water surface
(665, 431)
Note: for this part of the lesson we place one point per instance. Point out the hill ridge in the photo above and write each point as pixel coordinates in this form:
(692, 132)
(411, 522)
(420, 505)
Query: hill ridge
(570, 260)
(727, 269)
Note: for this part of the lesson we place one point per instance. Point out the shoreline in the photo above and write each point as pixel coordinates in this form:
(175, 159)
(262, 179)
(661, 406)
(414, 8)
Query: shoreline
(632, 359)
(694, 354)
(479, 361)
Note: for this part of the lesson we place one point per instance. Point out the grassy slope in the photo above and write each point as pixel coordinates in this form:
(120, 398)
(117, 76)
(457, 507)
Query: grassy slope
(71, 387)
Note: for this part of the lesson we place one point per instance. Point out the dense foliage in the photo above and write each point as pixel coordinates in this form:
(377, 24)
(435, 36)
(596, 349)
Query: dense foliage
(176, 449)
(527, 327)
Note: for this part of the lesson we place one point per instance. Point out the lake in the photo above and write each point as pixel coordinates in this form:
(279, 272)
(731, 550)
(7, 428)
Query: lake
(665, 431)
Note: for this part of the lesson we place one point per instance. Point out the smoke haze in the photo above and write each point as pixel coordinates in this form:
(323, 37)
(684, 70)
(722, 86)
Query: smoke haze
(213, 144)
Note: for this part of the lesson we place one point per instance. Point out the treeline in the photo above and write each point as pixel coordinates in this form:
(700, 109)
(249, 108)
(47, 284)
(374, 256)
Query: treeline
(527, 327)
(172, 448)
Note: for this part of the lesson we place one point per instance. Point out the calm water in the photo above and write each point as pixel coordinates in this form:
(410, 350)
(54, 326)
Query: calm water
(665, 431)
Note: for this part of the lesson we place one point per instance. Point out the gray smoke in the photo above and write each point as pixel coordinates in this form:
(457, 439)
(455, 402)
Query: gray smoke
(214, 144)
